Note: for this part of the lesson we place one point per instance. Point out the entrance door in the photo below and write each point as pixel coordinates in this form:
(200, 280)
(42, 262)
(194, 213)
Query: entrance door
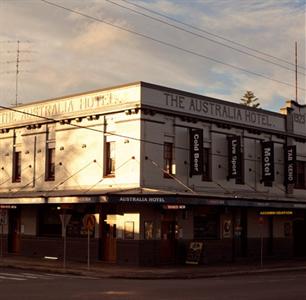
(14, 237)
(168, 242)
(299, 238)
(109, 242)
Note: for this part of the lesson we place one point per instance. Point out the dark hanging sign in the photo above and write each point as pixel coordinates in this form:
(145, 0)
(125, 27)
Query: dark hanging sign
(267, 161)
(196, 151)
(234, 156)
(290, 164)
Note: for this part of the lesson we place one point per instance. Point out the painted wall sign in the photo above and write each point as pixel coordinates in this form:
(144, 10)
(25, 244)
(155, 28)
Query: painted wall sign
(267, 161)
(70, 105)
(196, 151)
(290, 164)
(212, 108)
(234, 156)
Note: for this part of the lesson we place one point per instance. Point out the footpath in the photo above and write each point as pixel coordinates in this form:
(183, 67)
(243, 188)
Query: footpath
(106, 270)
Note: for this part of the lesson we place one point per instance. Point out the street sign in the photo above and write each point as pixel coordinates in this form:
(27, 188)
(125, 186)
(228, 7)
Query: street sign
(65, 218)
(89, 222)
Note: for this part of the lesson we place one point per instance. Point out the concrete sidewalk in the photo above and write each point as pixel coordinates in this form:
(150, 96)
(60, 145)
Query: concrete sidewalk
(104, 270)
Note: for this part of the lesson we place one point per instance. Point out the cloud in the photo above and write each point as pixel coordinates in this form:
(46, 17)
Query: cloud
(75, 54)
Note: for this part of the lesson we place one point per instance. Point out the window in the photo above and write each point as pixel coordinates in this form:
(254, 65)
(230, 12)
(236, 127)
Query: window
(16, 166)
(110, 158)
(49, 223)
(206, 165)
(300, 175)
(168, 159)
(206, 227)
(50, 164)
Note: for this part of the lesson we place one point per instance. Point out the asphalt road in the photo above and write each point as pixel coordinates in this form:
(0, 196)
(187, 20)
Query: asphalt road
(20, 284)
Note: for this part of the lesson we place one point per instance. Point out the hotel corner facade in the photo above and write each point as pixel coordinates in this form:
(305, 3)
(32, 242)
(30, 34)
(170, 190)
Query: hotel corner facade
(158, 168)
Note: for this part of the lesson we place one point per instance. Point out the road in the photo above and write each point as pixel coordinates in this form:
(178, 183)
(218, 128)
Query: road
(19, 285)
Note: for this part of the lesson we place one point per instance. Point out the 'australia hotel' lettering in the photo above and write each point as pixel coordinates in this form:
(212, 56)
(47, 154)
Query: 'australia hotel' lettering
(217, 110)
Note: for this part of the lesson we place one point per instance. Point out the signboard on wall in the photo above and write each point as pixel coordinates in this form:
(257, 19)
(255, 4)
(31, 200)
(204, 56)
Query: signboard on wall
(196, 151)
(290, 164)
(234, 156)
(267, 161)
(194, 253)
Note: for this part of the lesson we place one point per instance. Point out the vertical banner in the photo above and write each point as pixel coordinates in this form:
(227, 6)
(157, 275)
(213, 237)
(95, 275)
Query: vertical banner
(267, 161)
(234, 156)
(290, 164)
(196, 151)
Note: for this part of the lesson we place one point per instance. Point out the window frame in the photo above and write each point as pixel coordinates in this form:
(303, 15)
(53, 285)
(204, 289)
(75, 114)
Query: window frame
(168, 159)
(110, 159)
(16, 172)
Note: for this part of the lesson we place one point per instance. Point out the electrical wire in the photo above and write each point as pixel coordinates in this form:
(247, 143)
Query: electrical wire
(211, 34)
(203, 37)
(169, 44)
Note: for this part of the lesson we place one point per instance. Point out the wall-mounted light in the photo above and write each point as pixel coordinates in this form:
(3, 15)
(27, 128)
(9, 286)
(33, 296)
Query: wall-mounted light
(39, 151)
(61, 148)
(84, 146)
(95, 117)
(27, 152)
(89, 118)
(79, 119)
(126, 141)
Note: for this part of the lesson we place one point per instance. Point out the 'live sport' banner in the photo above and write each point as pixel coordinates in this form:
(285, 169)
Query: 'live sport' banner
(234, 156)
(267, 161)
(290, 164)
(196, 151)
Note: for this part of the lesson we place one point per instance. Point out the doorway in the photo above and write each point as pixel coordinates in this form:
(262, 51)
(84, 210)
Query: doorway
(299, 238)
(14, 227)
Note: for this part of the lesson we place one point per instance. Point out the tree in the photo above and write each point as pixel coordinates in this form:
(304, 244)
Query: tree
(249, 99)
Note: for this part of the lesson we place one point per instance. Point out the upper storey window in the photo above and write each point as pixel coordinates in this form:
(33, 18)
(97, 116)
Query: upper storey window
(110, 148)
(168, 159)
(300, 175)
(50, 164)
(16, 166)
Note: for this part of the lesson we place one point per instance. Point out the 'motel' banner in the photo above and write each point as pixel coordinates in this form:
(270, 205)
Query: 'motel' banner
(267, 161)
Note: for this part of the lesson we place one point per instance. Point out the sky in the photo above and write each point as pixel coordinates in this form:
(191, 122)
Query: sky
(218, 48)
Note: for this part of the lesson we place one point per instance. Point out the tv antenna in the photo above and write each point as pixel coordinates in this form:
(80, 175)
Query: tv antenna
(17, 61)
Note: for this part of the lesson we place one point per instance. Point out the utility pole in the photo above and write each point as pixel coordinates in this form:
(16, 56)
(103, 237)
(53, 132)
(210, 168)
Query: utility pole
(296, 78)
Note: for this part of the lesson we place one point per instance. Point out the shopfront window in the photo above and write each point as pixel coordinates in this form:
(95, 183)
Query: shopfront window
(49, 223)
(206, 227)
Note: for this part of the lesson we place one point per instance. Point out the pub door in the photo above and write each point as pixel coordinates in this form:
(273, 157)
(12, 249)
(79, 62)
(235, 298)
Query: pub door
(299, 238)
(168, 242)
(14, 227)
(109, 242)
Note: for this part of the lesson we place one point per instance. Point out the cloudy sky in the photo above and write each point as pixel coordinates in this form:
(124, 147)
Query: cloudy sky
(218, 48)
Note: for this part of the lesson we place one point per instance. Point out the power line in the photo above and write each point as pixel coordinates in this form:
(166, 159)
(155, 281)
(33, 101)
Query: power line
(212, 34)
(169, 44)
(202, 36)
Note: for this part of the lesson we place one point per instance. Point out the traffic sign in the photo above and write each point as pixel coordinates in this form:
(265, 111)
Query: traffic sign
(89, 222)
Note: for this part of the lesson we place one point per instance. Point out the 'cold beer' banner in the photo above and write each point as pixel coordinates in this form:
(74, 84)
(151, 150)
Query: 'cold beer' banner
(267, 161)
(234, 156)
(290, 164)
(196, 151)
